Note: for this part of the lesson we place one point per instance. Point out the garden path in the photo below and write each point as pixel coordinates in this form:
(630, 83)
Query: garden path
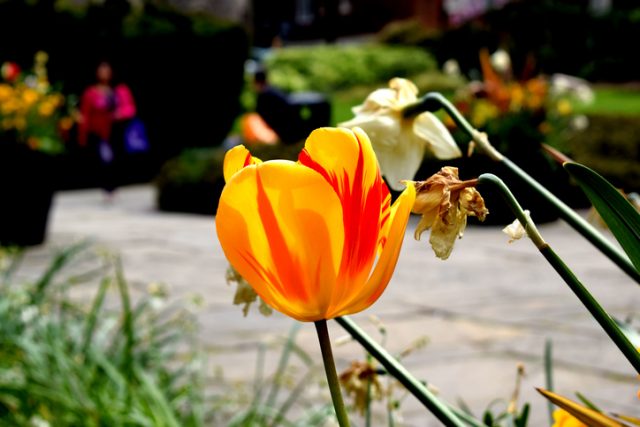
(489, 307)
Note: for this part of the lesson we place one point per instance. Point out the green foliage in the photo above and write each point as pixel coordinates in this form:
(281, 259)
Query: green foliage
(409, 32)
(65, 364)
(331, 68)
(609, 145)
(621, 101)
(620, 216)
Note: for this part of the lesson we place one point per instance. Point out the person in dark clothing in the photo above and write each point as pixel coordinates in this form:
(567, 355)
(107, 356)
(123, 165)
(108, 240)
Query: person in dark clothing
(273, 106)
(291, 116)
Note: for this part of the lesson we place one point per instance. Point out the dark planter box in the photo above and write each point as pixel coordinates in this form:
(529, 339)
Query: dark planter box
(26, 189)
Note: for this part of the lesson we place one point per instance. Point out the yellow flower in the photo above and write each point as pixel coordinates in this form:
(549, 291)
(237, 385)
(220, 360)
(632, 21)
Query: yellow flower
(562, 418)
(29, 97)
(6, 92)
(65, 123)
(564, 107)
(306, 234)
(41, 57)
(400, 143)
(444, 203)
(46, 109)
(483, 112)
(20, 123)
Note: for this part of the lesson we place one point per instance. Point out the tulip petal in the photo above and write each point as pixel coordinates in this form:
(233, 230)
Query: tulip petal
(428, 127)
(237, 158)
(347, 161)
(377, 282)
(280, 225)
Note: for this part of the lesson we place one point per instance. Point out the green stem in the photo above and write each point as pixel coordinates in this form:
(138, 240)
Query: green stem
(433, 101)
(596, 310)
(332, 375)
(577, 222)
(590, 303)
(414, 386)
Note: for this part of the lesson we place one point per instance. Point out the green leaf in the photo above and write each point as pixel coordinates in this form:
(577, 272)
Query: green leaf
(620, 216)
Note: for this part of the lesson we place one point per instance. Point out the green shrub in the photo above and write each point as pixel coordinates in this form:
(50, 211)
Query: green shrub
(409, 32)
(330, 68)
(105, 364)
(611, 146)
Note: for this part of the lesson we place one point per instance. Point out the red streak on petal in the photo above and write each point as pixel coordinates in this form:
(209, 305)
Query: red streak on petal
(247, 160)
(361, 207)
(289, 270)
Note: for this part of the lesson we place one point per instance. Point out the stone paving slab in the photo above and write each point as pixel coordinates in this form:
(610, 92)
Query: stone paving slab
(489, 307)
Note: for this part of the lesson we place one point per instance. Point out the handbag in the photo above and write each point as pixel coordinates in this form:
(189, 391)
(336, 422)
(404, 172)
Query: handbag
(135, 137)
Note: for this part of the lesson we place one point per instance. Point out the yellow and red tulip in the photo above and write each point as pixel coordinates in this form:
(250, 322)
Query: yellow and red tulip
(306, 235)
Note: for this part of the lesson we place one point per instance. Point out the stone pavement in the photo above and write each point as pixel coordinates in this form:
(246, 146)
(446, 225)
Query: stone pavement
(489, 307)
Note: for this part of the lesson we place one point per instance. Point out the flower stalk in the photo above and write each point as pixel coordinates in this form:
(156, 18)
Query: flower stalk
(332, 375)
(433, 101)
(413, 385)
(585, 297)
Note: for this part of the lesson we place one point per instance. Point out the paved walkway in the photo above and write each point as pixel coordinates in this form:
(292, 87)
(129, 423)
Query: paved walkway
(490, 306)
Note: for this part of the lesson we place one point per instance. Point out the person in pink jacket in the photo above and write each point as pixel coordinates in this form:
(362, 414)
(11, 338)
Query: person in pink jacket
(104, 111)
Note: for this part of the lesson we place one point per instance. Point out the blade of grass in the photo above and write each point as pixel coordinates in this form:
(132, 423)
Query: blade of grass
(282, 365)
(92, 318)
(60, 260)
(157, 398)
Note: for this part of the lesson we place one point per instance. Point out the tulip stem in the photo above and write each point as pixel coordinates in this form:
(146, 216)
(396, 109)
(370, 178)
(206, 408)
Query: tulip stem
(332, 375)
(399, 372)
(585, 297)
(434, 101)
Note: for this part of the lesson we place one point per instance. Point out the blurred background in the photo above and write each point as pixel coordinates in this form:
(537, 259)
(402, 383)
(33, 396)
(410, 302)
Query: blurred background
(190, 67)
(123, 110)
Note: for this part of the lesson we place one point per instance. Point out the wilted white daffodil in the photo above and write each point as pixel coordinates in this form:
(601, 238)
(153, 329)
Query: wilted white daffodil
(444, 201)
(400, 143)
(515, 230)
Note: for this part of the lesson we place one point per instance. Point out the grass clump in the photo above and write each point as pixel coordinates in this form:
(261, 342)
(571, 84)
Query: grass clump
(106, 364)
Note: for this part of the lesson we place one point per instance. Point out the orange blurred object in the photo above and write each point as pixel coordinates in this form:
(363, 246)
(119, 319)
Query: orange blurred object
(256, 131)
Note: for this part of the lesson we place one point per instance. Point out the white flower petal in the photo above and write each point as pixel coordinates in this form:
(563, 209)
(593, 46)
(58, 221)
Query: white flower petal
(428, 127)
(400, 161)
(382, 130)
(406, 90)
(380, 98)
(515, 230)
